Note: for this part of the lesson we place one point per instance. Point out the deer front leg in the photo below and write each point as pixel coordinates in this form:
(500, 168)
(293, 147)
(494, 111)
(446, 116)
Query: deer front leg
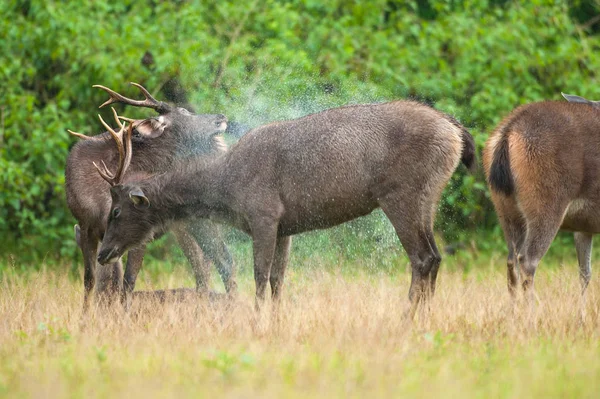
(264, 236)
(109, 282)
(210, 239)
(89, 247)
(194, 255)
(135, 258)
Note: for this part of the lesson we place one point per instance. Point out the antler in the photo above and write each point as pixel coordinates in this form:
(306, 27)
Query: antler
(124, 148)
(148, 102)
(80, 135)
(85, 137)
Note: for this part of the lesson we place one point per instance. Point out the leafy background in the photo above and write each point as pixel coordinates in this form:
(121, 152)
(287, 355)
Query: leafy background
(260, 61)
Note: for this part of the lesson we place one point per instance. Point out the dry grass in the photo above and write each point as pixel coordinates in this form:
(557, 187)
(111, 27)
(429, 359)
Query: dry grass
(336, 336)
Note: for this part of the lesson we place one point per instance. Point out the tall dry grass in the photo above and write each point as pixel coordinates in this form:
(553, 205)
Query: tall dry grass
(335, 335)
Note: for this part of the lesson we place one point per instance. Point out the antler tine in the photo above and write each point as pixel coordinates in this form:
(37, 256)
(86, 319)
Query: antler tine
(116, 135)
(79, 135)
(114, 96)
(148, 102)
(105, 173)
(126, 119)
(124, 154)
(145, 92)
(117, 118)
(128, 153)
(124, 158)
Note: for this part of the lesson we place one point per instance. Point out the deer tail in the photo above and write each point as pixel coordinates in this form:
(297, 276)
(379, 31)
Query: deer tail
(501, 178)
(468, 151)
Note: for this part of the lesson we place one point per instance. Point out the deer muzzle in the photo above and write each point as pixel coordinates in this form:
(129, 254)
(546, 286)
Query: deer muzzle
(108, 255)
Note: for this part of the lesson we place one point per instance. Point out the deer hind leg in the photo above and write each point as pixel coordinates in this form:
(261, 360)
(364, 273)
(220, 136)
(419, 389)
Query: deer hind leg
(416, 238)
(280, 261)
(542, 225)
(515, 229)
(514, 235)
(583, 245)
(427, 222)
(436, 264)
(430, 198)
(209, 237)
(264, 239)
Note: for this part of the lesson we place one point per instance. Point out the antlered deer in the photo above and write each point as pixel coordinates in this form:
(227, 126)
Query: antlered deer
(542, 164)
(315, 172)
(159, 143)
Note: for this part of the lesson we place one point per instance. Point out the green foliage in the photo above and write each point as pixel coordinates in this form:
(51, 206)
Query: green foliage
(260, 61)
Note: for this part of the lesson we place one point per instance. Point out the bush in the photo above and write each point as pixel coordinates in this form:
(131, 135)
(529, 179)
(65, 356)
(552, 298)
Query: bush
(262, 61)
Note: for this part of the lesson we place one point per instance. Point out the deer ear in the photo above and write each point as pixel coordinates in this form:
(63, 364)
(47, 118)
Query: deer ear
(139, 199)
(576, 99)
(151, 127)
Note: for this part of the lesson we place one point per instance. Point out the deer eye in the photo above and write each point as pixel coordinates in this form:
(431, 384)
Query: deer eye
(116, 212)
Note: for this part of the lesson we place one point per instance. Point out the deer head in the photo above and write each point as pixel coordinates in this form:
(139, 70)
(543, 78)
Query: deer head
(190, 129)
(137, 202)
(174, 126)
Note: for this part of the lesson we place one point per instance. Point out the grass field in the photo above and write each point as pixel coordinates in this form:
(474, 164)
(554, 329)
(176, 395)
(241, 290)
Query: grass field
(339, 334)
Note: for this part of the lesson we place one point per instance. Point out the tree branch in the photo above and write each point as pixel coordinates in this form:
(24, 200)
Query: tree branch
(590, 22)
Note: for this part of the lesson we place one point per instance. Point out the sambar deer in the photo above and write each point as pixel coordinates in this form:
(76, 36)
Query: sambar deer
(310, 173)
(159, 142)
(542, 164)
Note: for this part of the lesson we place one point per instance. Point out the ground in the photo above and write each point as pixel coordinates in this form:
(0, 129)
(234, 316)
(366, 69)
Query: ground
(339, 334)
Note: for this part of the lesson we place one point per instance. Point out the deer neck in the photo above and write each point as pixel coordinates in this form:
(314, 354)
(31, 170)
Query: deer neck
(153, 157)
(194, 189)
